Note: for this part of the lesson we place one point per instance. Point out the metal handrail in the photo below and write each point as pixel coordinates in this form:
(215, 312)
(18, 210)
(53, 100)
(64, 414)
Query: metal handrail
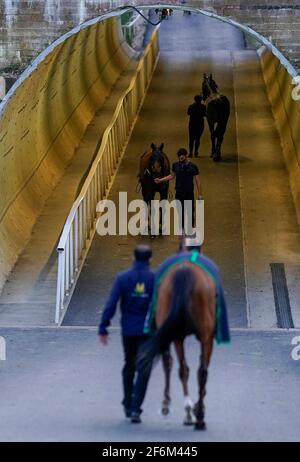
(130, 24)
(80, 224)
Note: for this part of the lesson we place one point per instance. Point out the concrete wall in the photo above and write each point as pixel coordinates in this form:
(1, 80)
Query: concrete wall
(2, 88)
(28, 27)
(5, 85)
(43, 122)
(287, 116)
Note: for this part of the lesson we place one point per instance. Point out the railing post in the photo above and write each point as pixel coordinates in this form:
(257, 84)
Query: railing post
(94, 197)
(88, 212)
(84, 223)
(80, 227)
(76, 241)
(59, 300)
(71, 255)
(67, 282)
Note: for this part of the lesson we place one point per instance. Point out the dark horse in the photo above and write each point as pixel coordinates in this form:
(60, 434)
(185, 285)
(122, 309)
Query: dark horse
(154, 163)
(217, 114)
(186, 302)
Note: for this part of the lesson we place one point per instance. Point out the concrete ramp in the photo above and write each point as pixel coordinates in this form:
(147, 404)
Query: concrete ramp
(250, 219)
(190, 46)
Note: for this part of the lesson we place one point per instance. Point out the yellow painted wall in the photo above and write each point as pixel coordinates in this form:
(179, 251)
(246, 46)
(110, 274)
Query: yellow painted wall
(287, 116)
(44, 121)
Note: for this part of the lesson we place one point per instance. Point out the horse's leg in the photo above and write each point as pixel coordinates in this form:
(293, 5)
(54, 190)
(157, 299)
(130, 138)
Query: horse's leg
(151, 196)
(220, 131)
(184, 377)
(163, 195)
(167, 361)
(206, 351)
(213, 138)
(145, 194)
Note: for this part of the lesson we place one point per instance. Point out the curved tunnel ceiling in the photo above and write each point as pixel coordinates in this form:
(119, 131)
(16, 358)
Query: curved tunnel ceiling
(119, 11)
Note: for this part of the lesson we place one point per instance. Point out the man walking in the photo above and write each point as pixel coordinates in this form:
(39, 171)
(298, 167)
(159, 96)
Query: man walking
(186, 174)
(197, 112)
(134, 289)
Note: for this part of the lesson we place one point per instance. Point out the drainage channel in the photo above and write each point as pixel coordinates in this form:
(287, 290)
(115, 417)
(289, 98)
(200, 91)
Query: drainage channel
(281, 296)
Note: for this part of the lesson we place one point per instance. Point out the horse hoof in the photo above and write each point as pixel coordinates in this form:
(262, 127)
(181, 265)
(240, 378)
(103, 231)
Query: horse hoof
(189, 418)
(188, 421)
(165, 411)
(200, 426)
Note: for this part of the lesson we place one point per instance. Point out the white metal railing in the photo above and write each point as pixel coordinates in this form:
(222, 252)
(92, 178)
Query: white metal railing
(132, 23)
(80, 225)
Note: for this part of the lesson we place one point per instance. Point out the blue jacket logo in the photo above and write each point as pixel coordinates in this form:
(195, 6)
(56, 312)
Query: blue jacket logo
(140, 290)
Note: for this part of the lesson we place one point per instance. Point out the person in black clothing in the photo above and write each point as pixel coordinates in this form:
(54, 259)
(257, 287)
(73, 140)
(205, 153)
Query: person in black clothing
(134, 289)
(197, 112)
(186, 174)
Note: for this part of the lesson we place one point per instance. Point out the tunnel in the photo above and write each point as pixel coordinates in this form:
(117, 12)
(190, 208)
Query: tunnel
(72, 131)
(52, 123)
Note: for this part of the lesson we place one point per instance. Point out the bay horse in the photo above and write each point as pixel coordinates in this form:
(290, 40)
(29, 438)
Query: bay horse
(186, 301)
(154, 163)
(217, 114)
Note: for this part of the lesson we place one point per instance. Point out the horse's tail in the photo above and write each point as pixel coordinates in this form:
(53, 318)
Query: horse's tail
(218, 110)
(174, 326)
(226, 105)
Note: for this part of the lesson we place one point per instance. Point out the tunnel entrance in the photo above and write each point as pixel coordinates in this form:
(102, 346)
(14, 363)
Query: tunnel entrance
(229, 236)
(191, 45)
(256, 37)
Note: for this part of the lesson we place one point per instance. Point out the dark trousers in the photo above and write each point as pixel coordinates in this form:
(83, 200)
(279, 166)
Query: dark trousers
(135, 379)
(194, 139)
(182, 197)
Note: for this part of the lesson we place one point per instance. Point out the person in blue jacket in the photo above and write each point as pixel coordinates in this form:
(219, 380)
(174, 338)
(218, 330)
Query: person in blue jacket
(134, 289)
